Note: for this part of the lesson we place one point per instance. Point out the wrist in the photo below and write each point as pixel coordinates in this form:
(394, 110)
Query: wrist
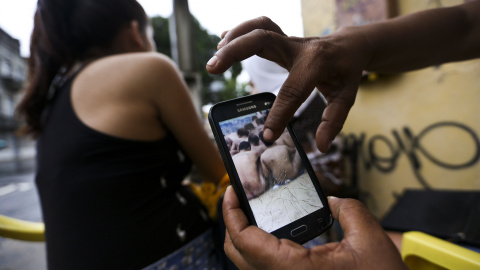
(358, 41)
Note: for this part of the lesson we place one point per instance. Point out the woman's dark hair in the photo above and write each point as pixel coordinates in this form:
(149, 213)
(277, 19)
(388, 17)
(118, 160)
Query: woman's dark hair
(67, 31)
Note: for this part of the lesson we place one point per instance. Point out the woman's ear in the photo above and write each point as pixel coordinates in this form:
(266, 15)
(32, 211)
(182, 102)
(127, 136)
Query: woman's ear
(131, 39)
(136, 36)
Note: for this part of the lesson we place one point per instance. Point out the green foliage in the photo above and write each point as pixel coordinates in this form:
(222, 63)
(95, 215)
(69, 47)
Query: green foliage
(205, 47)
(161, 35)
(234, 89)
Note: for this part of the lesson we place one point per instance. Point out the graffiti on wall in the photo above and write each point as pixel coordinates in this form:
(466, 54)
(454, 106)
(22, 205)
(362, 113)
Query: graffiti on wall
(364, 152)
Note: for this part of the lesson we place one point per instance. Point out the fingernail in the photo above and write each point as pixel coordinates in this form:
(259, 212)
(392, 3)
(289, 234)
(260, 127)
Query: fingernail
(332, 198)
(213, 61)
(221, 43)
(268, 134)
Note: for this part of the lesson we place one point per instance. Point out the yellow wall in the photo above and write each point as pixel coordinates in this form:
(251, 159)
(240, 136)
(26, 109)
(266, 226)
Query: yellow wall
(448, 95)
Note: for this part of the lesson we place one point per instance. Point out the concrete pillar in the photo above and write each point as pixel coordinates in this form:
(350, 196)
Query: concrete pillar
(183, 50)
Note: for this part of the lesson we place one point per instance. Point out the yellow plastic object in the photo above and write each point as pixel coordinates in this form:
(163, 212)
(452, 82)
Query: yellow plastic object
(423, 251)
(209, 194)
(372, 76)
(21, 229)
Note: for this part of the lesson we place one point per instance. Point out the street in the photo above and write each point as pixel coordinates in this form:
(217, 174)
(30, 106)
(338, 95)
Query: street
(19, 199)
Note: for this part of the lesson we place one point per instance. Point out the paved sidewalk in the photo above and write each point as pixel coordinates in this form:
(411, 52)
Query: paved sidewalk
(19, 199)
(21, 255)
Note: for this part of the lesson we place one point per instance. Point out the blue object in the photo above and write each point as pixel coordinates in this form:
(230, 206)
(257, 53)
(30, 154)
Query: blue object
(3, 144)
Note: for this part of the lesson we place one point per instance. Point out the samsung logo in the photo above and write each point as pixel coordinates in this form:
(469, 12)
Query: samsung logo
(246, 108)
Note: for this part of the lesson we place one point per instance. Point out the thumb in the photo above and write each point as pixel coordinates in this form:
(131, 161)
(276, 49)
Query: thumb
(364, 236)
(353, 216)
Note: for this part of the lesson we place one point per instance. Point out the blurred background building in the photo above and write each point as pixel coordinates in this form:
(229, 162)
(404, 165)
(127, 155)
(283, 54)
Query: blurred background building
(16, 152)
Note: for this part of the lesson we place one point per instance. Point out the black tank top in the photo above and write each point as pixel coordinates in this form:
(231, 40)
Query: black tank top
(108, 202)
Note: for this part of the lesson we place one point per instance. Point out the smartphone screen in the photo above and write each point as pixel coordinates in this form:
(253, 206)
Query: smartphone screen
(274, 178)
(274, 181)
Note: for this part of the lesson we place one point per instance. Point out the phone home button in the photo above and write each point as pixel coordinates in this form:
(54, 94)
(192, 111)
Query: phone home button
(299, 230)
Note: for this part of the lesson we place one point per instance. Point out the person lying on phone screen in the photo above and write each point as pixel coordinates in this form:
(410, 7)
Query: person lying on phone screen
(256, 144)
(260, 123)
(263, 166)
(249, 171)
(244, 146)
(251, 129)
(254, 121)
(281, 160)
(229, 143)
(237, 137)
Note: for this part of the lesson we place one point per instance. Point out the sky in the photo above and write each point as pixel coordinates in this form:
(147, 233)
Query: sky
(16, 16)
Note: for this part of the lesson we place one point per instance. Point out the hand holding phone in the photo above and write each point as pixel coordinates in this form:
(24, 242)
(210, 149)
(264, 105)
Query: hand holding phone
(251, 248)
(275, 184)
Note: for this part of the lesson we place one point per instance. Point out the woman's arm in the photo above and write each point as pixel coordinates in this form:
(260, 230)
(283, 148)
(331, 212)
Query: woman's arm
(176, 112)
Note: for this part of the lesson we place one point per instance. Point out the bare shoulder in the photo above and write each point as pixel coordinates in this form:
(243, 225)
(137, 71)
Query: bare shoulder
(138, 58)
(145, 61)
(136, 64)
(115, 94)
(134, 73)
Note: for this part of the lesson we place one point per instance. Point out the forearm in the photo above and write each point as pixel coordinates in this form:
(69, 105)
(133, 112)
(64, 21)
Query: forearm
(423, 39)
(207, 159)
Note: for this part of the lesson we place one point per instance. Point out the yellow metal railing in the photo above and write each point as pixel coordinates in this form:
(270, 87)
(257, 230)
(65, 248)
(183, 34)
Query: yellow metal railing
(21, 229)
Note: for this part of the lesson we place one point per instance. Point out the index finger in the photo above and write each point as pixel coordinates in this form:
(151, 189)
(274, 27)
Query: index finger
(253, 37)
(258, 23)
(294, 91)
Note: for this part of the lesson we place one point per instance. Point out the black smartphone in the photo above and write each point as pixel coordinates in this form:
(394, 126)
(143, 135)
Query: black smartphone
(275, 183)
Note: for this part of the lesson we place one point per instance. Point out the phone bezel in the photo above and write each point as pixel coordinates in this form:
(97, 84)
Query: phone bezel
(317, 221)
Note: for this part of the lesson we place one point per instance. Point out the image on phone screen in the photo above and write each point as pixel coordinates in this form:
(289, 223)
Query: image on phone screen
(275, 181)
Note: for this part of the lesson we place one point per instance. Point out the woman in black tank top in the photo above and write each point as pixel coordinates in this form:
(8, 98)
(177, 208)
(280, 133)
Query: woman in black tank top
(116, 135)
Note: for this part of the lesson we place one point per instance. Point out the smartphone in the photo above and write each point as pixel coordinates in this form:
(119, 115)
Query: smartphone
(275, 183)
